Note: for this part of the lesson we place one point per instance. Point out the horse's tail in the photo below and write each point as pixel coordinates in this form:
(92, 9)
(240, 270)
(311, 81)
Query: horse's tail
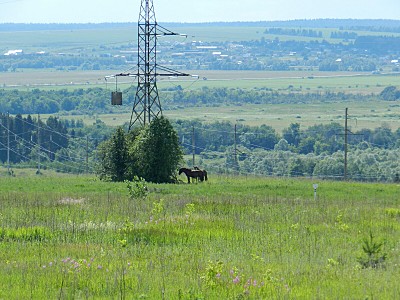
(205, 175)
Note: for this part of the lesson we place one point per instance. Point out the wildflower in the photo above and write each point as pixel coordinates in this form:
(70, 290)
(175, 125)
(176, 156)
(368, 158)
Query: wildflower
(236, 280)
(65, 260)
(99, 267)
(248, 283)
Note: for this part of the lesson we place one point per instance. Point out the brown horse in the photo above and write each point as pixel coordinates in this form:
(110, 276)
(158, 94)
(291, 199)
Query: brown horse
(204, 173)
(195, 174)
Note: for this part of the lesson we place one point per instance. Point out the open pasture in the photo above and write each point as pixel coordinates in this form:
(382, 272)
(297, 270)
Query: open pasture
(289, 81)
(78, 37)
(68, 41)
(369, 114)
(228, 238)
(292, 81)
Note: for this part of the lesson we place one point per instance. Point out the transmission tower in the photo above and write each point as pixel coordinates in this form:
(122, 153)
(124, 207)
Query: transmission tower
(147, 105)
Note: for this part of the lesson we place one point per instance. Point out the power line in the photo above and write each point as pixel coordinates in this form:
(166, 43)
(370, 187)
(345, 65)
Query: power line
(42, 150)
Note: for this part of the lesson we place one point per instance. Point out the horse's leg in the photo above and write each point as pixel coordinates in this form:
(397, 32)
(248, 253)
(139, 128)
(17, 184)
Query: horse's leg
(188, 179)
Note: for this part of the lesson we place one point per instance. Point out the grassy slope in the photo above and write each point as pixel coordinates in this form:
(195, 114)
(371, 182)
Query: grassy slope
(61, 237)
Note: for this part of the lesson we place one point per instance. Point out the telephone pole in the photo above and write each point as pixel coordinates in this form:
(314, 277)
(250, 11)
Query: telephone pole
(346, 142)
(346, 132)
(38, 140)
(235, 153)
(193, 148)
(87, 154)
(8, 143)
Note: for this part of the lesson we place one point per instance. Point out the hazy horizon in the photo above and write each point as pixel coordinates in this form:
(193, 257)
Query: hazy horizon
(190, 11)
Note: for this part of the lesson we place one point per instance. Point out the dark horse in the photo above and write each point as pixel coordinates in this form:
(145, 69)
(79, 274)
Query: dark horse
(195, 174)
(204, 173)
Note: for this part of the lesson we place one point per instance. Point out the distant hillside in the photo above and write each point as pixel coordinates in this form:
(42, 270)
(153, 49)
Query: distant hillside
(353, 24)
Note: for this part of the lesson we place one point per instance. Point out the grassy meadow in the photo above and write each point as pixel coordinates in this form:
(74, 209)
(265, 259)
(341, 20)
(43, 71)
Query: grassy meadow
(281, 81)
(228, 238)
(70, 40)
(368, 114)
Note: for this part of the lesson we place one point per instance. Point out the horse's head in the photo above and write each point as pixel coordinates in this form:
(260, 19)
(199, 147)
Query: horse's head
(180, 171)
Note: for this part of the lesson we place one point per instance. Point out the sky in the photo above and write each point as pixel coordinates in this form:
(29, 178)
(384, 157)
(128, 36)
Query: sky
(193, 11)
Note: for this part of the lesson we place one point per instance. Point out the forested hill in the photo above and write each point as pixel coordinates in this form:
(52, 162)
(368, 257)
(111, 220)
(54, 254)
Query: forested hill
(347, 24)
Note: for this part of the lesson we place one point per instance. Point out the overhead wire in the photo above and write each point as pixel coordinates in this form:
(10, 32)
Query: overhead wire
(43, 150)
(319, 158)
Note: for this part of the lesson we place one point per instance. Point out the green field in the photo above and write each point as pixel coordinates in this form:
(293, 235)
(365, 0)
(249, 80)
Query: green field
(370, 114)
(297, 81)
(69, 40)
(228, 238)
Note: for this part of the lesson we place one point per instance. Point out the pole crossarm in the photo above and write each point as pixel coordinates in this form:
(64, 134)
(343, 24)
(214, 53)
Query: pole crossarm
(164, 31)
(170, 72)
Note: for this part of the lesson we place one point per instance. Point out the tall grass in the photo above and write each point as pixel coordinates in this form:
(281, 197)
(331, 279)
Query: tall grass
(229, 238)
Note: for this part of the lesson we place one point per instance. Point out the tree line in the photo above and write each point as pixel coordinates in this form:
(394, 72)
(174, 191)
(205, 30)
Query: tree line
(316, 151)
(21, 138)
(318, 139)
(294, 32)
(97, 100)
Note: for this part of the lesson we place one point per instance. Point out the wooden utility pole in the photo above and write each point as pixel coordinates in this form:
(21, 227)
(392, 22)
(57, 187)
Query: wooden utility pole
(345, 144)
(87, 154)
(236, 159)
(193, 148)
(8, 143)
(38, 137)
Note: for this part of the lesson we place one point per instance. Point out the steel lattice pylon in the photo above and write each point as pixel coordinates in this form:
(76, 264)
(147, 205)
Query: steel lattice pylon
(147, 104)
